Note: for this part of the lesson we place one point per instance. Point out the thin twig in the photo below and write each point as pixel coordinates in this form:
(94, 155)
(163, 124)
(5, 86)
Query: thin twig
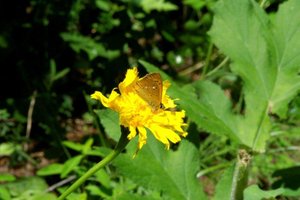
(29, 117)
(60, 183)
(191, 69)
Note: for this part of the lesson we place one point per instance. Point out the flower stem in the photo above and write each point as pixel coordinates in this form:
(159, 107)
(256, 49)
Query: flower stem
(120, 146)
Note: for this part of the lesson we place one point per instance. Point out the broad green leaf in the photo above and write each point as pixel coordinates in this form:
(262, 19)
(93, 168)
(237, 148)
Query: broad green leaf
(287, 40)
(51, 169)
(204, 103)
(70, 165)
(253, 192)
(266, 59)
(237, 32)
(224, 187)
(171, 172)
(110, 121)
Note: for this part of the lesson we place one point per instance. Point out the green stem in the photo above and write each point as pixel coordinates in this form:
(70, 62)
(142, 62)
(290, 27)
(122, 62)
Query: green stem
(240, 176)
(212, 169)
(207, 59)
(262, 3)
(120, 146)
(218, 67)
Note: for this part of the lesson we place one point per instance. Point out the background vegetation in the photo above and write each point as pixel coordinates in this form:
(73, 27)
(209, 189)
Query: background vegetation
(54, 54)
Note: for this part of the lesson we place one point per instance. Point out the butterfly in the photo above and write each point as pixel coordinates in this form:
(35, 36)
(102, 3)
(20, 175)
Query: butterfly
(149, 88)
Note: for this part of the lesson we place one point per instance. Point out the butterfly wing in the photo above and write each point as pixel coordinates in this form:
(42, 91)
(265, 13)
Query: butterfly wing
(149, 88)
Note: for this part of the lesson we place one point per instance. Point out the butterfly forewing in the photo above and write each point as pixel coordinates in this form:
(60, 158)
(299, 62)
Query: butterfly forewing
(149, 88)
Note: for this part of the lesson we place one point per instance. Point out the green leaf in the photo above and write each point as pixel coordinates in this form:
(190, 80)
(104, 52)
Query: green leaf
(21, 186)
(89, 46)
(159, 5)
(224, 187)
(7, 149)
(238, 31)
(77, 196)
(7, 177)
(253, 192)
(4, 194)
(171, 172)
(3, 42)
(205, 104)
(41, 195)
(87, 145)
(266, 57)
(52, 69)
(103, 178)
(70, 165)
(103, 5)
(72, 145)
(130, 196)
(287, 41)
(61, 74)
(110, 121)
(195, 4)
(96, 191)
(96, 152)
(52, 169)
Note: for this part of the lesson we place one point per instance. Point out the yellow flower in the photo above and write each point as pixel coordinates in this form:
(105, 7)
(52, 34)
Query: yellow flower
(136, 113)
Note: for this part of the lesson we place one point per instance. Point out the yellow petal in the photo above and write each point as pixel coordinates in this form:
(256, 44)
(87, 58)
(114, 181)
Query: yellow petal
(142, 137)
(159, 135)
(132, 132)
(99, 96)
(130, 78)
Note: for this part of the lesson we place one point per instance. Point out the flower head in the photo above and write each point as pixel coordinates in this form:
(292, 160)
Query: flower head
(143, 103)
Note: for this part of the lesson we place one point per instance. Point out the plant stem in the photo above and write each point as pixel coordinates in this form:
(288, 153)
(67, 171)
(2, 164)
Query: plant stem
(240, 176)
(207, 59)
(123, 141)
(218, 67)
